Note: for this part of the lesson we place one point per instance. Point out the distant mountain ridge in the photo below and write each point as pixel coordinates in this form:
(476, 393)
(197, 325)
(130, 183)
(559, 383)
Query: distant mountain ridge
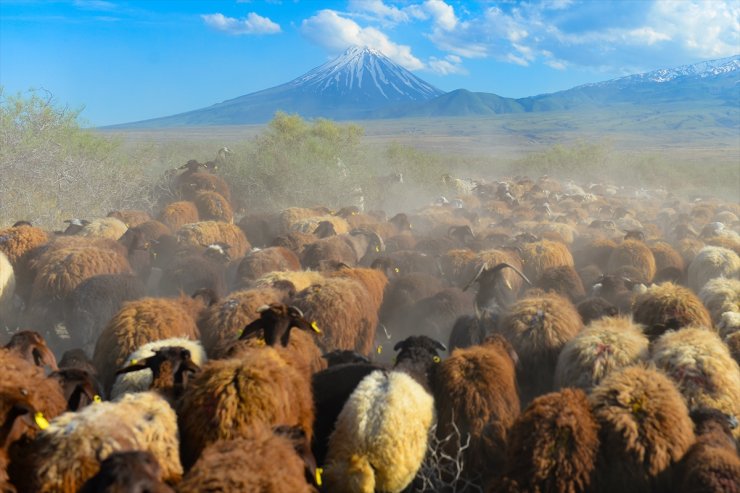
(363, 83)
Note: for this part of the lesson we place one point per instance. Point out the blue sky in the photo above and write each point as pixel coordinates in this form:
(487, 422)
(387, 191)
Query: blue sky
(131, 60)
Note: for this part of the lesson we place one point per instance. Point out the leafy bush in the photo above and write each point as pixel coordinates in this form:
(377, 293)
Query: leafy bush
(51, 169)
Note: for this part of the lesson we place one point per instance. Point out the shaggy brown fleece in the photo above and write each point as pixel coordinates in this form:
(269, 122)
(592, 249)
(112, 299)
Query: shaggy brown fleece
(261, 462)
(668, 306)
(636, 254)
(205, 233)
(138, 322)
(538, 327)
(563, 280)
(645, 430)
(475, 392)
(554, 444)
(212, 206)
(541, 255)
(178, 214)
(230, 396)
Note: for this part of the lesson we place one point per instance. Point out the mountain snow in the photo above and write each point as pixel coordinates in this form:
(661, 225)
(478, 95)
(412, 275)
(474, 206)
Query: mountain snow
(702, 70)
(365, 73)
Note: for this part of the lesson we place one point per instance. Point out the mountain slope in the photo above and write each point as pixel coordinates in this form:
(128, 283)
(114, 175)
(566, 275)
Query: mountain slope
(355, 84)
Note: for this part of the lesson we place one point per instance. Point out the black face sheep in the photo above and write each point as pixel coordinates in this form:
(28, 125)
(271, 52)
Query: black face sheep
(164, 365)
(712, 464)
(80, 388)
(220, 324)
(16, 415)
(476, 396)
(65, 454)
(127, 472)
(713, 262)
(554, 444)
(94, 302)
(260, 461)
(380, 436)
(644, 430)
(668, 306)
(228, 397)
(604, 346)
(701, 366)
(139, 322)
(343, 356)
(538, 327)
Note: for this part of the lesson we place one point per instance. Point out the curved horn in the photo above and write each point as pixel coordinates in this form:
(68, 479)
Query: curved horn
(439, 345)
(503, 265)
(477, 276)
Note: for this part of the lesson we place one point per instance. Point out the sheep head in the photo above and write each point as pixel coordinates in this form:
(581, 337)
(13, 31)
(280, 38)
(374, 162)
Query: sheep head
(171, 367)
(78, 386)
(32, 347)
(275, 321)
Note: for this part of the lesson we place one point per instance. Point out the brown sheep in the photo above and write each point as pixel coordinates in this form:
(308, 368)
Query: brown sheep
(131, 218)
(475, 392)
(215, 408)
(204, 233)
(596, 252)
(538, 327)
(292, 215)
(688, 248)
(17, 241)
(666, 256)
(260, 262)
(190, 184)
(563, 280)
(260, 228)
(373, 280)
(604, 346)
(248, 464)
(712, 463)
(332, 248)
(644, 429)
(668, 306)
(554, 444)
(594, 308)
(294, 241)
(540, 255)
(126, 471)
(702, 368)
(220, 324)
(300, 279)
(344, 311)
(633, 253)
(61, 270)
(212, 206)
(177, 214)
(402, 292)
(138, 322)
(458, 266)
(104, 227)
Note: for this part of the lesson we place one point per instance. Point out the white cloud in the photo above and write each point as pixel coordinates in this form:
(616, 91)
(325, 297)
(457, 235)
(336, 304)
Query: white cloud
(335, 33)
(377, 10)
(443, 14)
(451, 64)
(252, 24)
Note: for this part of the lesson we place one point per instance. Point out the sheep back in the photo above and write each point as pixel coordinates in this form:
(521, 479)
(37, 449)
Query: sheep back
(69, 451)
(260, 262)
(204, 233)
(554, 444)
(669, 306)
(177, 214)
(540, 255)
(711, 262)
(538, 327)
(230, 396)
(104, 227)
(701, 366)
(380, 436)
(644, 429)
(633, 253)
(604, 346)
(212, 206)
(721, 295)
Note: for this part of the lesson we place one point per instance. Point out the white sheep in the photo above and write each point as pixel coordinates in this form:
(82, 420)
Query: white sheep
(712, 262)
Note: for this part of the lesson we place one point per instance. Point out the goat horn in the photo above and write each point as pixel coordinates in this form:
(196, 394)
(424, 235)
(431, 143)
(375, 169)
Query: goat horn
(477, 276)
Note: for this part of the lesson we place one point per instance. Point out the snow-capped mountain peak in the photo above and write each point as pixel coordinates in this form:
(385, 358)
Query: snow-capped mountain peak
(364, 73)
(701, 70)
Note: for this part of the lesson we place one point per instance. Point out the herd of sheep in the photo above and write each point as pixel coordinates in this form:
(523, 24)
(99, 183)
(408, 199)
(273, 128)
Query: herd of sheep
(523, 336)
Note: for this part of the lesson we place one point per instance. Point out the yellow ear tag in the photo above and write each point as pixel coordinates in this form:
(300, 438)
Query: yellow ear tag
(379, 349)
(397, 270)
(241, 331)
(315, 327)
(134, 361)
(436, 359)
(377, 248)
(41, 421)
(319, 472)
(97, 399)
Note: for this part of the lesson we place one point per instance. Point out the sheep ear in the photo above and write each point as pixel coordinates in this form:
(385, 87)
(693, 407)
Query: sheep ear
(132, 368)
(251, 328)
(399, 345)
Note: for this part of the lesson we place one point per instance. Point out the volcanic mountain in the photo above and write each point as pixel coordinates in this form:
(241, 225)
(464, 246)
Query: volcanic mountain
(352, 86)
